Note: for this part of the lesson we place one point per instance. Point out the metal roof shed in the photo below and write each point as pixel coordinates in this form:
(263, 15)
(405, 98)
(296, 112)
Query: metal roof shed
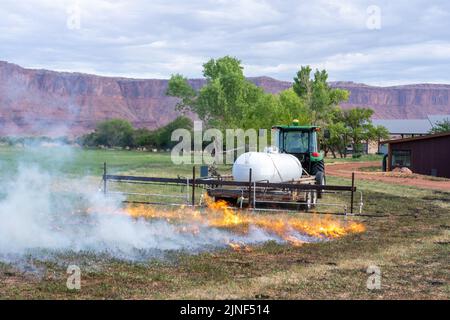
(428, 155)
(405, 126)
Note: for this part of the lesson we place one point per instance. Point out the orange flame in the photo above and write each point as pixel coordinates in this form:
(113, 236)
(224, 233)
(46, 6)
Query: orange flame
(239, 247)
(220, 215)
(293, 241)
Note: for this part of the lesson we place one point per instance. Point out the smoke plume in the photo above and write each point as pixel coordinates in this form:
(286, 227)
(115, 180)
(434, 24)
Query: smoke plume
(41, 213)
(45, 212)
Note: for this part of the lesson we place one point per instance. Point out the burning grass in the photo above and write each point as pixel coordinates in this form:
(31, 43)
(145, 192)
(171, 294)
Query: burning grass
(285, 228)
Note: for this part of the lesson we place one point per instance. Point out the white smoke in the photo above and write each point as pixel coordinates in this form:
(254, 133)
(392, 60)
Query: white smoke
(42, 213)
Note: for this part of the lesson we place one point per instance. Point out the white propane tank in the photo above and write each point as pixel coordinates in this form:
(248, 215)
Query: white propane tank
(267, 167)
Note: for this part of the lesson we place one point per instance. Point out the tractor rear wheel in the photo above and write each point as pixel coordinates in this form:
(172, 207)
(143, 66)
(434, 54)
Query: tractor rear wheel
(317, 166)
(320, 181)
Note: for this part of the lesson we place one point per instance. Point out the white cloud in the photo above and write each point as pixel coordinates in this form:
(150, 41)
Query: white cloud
(242, 12)
(157, 38)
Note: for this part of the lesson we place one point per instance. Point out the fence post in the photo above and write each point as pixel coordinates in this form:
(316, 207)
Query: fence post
(353, 192)
(104, 178)
(254, 195)
(193, 186)
(250, 188)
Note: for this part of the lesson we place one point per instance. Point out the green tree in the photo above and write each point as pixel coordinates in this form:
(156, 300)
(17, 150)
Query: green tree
(291, 106)
(319, 98)
(339, 138)
(120, 133)
(441, 127)
(163, 135)
(179, 87)
(228, 100)
(88, 140)
(160, 138)
(113, 133)
(145, 138)
(359, 122)
(379, 133)
(353, 127)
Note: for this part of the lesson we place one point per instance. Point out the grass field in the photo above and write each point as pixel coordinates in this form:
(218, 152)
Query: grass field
(80, 162)
(407, 237)
(77, 162)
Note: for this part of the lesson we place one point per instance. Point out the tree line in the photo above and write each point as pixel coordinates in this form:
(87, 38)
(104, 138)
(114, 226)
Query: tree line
(229, 100)
(120, 133)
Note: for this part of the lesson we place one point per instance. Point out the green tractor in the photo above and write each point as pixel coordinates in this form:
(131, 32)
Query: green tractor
(302, 142)
(297, 141)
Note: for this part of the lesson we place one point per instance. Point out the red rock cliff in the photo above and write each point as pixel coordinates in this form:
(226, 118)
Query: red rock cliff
(41, 102)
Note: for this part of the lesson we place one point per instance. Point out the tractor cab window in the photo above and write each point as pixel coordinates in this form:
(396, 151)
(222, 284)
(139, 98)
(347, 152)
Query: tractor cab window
(296, 142)
(313, 144)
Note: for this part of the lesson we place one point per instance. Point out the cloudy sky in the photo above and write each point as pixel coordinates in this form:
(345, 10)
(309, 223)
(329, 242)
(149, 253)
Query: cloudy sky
(375, 42)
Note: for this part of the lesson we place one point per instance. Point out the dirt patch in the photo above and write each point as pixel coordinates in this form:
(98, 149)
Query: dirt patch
(344, 170)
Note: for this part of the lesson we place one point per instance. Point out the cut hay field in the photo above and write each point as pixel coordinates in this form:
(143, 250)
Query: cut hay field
(407, 236)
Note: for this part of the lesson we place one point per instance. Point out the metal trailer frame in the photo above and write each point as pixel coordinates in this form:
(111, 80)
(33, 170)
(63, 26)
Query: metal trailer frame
(249, 191)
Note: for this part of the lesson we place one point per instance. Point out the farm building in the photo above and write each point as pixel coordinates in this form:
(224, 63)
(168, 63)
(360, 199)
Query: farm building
(410, 127)
(405, 127)
(428, 155)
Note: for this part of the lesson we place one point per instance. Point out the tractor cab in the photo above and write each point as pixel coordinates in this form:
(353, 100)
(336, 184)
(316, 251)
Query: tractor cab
(301, 142)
